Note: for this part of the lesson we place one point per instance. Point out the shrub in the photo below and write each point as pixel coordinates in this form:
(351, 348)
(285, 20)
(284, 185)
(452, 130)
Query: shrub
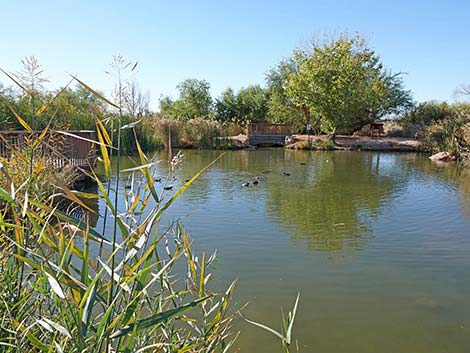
(426, 113)
(452, 133)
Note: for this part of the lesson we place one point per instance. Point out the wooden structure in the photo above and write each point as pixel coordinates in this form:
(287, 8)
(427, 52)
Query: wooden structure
(268, 134)
(376, 129)
(63, 147)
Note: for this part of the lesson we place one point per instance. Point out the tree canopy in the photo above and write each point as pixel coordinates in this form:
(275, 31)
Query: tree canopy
(226, 107)
(280, 106)
(194, 100)
(252, 104)
(345, 82)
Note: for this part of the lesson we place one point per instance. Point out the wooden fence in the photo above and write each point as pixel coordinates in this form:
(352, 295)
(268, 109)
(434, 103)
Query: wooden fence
(64, 147)
(270, 129)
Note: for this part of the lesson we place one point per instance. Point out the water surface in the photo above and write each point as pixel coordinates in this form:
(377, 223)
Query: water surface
(378, 245)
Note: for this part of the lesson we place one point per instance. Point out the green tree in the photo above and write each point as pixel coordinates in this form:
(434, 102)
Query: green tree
(166, 107)
(226, 107)
(345, 82)
(426, 113)
(7, 99)
(74, 109)
(280, 106)
(194, 100)
(252, 103)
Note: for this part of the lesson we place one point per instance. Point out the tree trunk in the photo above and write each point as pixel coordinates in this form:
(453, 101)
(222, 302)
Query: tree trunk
(306, 113)
(317, 126)
(332, 136)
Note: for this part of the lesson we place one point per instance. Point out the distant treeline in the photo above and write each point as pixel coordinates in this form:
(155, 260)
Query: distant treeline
(338, 85)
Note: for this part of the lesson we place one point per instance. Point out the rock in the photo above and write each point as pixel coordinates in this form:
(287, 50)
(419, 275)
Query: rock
(441, 156)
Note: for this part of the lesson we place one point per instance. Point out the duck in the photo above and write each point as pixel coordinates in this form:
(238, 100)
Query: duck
(158, 180)
(128, 186)
(286, 174)
(246, 184)
(169, 187)
(256, 181)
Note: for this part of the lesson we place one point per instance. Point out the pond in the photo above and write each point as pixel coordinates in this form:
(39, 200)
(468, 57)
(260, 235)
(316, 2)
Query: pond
(378, 245)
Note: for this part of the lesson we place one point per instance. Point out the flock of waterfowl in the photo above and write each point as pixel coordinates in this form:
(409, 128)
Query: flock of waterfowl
(256, 181)
(245, 184)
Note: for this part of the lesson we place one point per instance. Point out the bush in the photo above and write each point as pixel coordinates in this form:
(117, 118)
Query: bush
(452, 133)
(195, 133)
(426, 113)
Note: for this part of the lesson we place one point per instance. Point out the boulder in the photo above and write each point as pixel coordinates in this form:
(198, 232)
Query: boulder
(441, 156)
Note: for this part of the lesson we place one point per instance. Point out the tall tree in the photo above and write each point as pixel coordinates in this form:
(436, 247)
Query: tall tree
(166, 107)
(194, 100)
(280, 106)
(345, 82)
(226, 107)
(252, 103)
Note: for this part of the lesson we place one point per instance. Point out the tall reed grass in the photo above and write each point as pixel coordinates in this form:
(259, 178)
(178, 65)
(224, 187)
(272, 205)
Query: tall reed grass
(199, 133)
(133, 286)
(69, 288)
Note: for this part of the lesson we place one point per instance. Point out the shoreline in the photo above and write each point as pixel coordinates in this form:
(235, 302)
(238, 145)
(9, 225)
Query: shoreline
(321, 142)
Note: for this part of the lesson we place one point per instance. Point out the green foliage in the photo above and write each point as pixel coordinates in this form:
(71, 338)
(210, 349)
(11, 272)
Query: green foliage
(71, 108)
(426, 113)
(226, 107)
(194, 100)
(202, 131)
(450, 133)
(194, 133)
(64, 289)
(442, 126)
(75, 108)
(280, 106)
(345, 83)
(166, 104)
(287, 325)
(252, 104)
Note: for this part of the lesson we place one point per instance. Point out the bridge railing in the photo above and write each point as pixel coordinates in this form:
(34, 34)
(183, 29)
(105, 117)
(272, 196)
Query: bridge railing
(270, 129)
(64, 147)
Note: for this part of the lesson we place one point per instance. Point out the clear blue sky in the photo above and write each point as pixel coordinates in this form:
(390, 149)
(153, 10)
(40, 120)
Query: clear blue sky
(231, 43)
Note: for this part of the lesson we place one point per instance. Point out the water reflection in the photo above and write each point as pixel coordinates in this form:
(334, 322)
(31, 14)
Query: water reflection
(332, 201)
(329, 200)
(453, 176)
(402, 211)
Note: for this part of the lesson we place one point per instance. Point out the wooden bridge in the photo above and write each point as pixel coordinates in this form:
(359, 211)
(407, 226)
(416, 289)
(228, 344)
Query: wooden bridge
(63, 147)
(269, 134)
